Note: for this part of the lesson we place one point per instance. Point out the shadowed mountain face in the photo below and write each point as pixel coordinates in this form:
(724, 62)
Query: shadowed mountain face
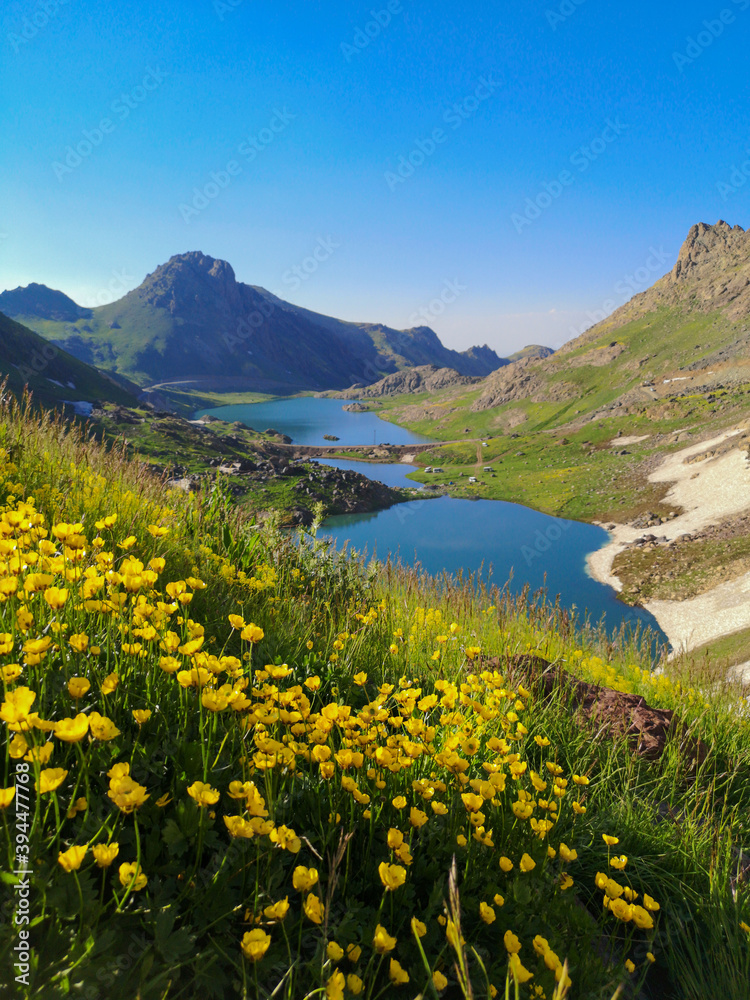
(53, 376)
(42, 302)
(192, 320)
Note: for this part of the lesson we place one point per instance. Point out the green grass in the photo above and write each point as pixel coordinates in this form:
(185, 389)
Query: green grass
(26, 359)
(680, 825)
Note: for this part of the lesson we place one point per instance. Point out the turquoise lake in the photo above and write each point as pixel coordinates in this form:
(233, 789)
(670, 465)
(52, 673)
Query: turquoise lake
(506, 542)
(306, 419)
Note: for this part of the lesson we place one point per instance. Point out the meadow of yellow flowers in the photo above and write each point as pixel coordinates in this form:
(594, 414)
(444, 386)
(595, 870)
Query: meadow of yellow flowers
(233, 766)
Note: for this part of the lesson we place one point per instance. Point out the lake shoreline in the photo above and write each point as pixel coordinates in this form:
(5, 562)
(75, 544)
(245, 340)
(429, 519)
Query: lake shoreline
(707, 490)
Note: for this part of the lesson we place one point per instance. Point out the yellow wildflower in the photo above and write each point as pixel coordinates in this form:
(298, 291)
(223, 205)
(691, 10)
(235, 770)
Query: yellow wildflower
(255, 944)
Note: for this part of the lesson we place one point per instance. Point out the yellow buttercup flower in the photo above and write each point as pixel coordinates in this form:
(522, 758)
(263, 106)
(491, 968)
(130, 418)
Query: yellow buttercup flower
(277, 911)
(392, 876)
(203, 794)
(79, 642)
(126, 793)
(439, 980)
(335, 986)
(80, 805)
(417, 818)
(527, 863)
(102, 728)
(105, 854)
(518, 970)
(17, 705)
(50, 779)
(72, 859)
(72, 730)
(255, 944)
(418, 929)
(56, 597)
(132, 873)
(610, 841)
(313, 909)
(304, 878)
(619, 862)
(487, 914)
(78, 687)
(568, 854)
(6, 796)
(397, 975)
(252, 633)
(506, 864)
(354, 984)
(11, 672)
(511, 942)
(141, 715)
(109, 684)
(382, 941)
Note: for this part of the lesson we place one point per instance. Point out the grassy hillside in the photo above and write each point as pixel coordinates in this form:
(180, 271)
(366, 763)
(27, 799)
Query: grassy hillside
(258, 763)
(50, 373)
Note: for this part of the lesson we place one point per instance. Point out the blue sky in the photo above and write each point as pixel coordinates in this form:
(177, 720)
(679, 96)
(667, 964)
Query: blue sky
(552, 155)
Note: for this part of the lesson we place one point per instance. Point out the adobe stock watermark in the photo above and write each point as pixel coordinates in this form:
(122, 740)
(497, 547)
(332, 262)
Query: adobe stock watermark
(544, 540)
(115, 288)
(581, 159)
(34, 23)
(640, 279)
(294, 276)
(458, 113)
(248, 149)
(450, 291)
(121, 108)
(564, 10)
(711, 29)
(738, 177)
(303, 271)
(380, 19)
(224, 7)
(21, 871)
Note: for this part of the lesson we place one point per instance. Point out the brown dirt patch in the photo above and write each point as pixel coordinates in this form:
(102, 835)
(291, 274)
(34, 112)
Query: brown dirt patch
(612, 713)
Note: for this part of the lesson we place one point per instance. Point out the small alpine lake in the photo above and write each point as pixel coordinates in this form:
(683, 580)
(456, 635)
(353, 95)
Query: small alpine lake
(306, 419)
(504, 542)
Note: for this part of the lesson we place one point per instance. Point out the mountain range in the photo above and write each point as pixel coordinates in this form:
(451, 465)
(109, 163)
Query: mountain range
(192, 321)
(689, 330)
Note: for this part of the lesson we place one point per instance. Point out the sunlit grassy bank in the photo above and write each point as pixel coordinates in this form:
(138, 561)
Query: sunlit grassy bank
(238, 766)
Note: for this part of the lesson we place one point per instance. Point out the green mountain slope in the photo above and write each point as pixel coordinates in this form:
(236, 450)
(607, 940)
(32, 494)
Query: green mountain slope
(53, 375)
(191, 320)
(690, 331)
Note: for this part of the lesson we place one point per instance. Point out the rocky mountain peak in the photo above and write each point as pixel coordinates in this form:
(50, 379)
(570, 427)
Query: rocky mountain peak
(709, 249)
(192, 279)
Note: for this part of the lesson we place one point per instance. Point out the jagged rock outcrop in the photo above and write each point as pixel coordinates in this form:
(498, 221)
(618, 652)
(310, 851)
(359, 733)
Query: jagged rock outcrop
(424, 378)
(521, 380)
(711, 274)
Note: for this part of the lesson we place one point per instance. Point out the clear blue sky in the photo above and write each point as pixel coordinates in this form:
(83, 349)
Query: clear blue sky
(316, 104)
